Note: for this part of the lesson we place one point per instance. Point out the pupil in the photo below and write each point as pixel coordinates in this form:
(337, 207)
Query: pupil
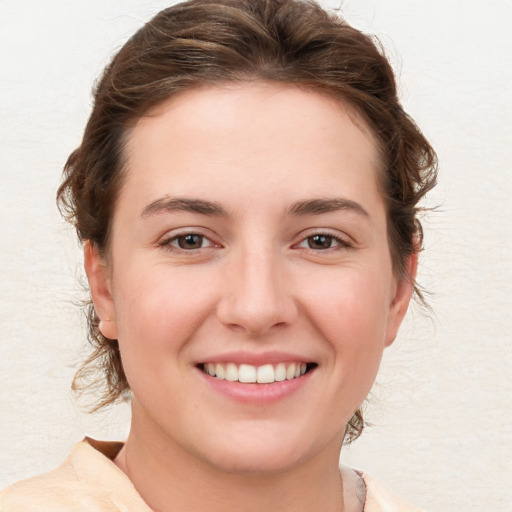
(320, 242)
(190, 241)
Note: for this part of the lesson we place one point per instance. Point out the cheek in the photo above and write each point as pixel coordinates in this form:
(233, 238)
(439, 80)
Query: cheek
(158, 313)
(351, 312)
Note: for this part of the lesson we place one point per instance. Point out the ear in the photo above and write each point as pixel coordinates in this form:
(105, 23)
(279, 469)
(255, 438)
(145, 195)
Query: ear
(402, 296)
(100, 286)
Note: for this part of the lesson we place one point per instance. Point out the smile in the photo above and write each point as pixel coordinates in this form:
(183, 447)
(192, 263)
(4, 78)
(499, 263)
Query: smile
(265, 374)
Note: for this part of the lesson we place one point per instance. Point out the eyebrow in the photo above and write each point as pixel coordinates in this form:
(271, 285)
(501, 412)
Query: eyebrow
(319, 206)
(212, 208)
(183, 204)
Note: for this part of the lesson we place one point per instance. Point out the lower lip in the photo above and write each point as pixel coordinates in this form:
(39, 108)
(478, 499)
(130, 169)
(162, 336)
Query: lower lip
(255, 393)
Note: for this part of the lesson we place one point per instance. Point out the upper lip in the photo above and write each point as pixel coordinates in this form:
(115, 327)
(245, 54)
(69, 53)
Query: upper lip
(256, 359)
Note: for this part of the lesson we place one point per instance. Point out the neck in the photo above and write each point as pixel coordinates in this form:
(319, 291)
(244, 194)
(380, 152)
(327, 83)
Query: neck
(170, 478)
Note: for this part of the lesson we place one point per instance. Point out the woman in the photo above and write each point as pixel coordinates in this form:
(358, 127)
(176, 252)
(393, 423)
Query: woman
(246, 191)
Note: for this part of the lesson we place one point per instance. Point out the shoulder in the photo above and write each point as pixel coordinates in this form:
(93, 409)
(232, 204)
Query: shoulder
(54, 490)
(87, 480)
(380, 499)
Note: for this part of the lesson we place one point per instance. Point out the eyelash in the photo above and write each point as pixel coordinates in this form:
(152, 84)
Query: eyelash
(341, 242)
(173, 242)
(169, 243)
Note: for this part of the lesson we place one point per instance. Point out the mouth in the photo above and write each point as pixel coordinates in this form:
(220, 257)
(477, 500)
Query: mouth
(264, 374)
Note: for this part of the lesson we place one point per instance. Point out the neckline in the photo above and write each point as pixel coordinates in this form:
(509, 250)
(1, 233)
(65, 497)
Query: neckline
(111, 449)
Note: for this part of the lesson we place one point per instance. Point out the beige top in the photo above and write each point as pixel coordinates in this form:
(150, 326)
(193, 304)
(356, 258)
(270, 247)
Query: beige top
(88, 480)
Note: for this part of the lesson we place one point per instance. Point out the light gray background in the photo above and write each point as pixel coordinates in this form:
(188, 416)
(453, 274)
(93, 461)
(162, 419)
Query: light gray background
(441, 409)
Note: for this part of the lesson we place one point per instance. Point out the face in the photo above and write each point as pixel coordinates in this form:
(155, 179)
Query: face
(249, 244)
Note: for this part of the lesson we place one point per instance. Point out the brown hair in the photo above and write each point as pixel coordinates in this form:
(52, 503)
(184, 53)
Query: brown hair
(202, 42)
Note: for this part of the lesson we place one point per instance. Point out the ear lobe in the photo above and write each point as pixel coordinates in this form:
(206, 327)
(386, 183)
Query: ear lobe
(403, 293)
(99, 284)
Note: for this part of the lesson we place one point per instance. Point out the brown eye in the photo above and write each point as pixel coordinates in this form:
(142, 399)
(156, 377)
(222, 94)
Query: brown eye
(187, 242)
(320, 242)
(190, 241)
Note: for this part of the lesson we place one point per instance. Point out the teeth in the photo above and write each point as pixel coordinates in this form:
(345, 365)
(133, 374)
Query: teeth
(231, 372)
(265, 374)
(220, 372)
(247, 373)
(280, 372)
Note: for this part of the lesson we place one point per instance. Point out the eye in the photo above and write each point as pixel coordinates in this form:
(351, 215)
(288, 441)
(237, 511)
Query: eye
(322, 242)
(187, 242)
(190, 241)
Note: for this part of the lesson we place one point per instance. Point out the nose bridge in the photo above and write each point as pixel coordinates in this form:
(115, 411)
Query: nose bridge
(258, 296)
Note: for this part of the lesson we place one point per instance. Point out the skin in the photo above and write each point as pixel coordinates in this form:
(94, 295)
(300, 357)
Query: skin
(257, 282)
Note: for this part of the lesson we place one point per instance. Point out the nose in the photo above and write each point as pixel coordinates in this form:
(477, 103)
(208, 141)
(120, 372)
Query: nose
(258, 295)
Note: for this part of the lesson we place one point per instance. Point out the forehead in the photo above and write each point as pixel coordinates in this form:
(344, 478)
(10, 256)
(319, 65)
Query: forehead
(259, 103)
(239, 136)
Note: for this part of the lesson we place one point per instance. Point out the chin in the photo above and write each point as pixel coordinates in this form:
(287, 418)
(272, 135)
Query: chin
(254, 461)
(258, 453)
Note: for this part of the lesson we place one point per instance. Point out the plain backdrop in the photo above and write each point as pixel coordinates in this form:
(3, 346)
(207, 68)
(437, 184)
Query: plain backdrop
(441, 434)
